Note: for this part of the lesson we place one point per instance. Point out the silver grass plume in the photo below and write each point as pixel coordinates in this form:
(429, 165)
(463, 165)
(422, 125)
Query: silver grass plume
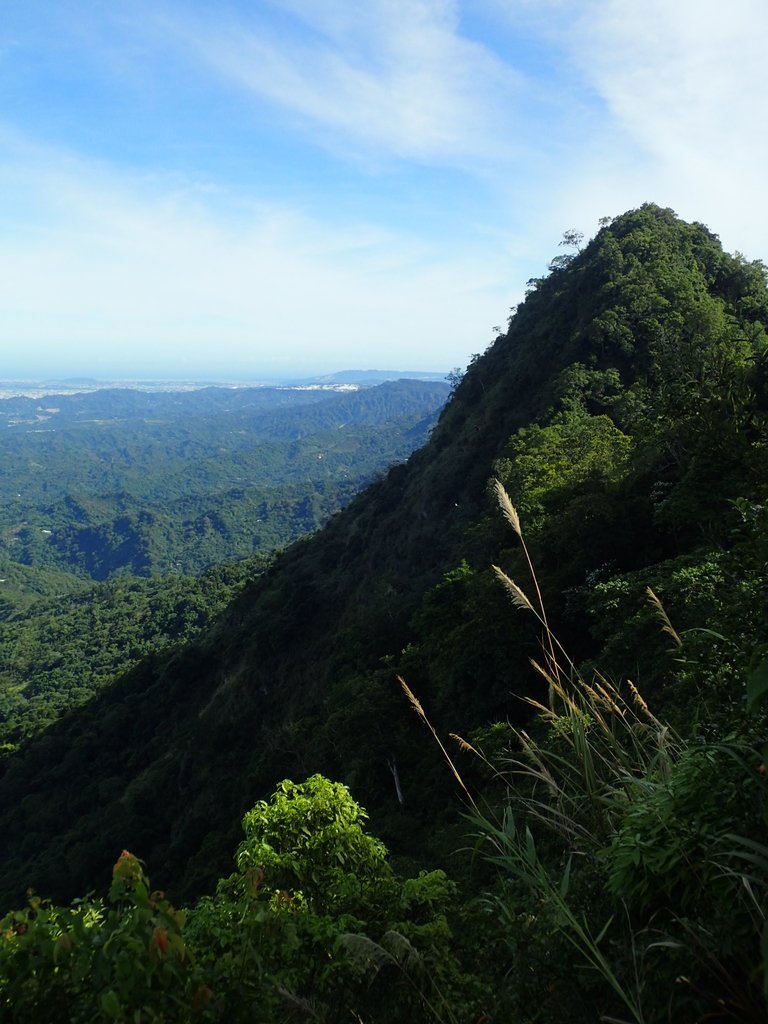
(508, 509)
(519, 600)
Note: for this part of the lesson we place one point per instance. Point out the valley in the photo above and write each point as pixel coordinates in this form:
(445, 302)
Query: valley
(154, 482)
(130, 518)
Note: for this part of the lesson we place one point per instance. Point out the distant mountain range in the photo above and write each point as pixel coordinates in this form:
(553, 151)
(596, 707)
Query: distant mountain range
(36, 388)
(144, 481)
(369, 377)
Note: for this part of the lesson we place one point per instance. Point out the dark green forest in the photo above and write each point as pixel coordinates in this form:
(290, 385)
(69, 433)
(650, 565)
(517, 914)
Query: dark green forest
(61, 650)
(536, 652)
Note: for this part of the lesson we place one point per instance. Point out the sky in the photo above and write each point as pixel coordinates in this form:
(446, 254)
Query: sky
(269, 188)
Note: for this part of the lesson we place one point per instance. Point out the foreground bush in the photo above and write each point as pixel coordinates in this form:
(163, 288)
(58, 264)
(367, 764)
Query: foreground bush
(312, 925)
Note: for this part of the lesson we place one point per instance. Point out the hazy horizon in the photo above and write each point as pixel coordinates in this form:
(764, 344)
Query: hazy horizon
(33, 385)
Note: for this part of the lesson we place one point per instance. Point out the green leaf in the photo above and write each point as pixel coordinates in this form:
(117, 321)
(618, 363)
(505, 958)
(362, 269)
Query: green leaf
(110, 1004)
(757, 685)
(599, 938)
(565, 880)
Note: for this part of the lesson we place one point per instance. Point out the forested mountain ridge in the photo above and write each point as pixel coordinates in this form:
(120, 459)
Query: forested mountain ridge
(626, 412)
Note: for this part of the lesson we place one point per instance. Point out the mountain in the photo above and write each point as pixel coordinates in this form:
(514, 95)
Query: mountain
(369, 377)
(626, 411)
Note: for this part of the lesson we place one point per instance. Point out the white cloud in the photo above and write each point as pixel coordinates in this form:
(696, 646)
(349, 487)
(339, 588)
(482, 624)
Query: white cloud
(147, 274)
(685, 86)
(394, 76)
(650, 101)
(670, 99)
(681, 75)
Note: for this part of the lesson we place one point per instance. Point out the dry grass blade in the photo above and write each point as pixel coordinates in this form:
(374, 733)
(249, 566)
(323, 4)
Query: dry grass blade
(543, 672)
(519, 600)
(467, 748)
(638, 701)
(609, 697)
(554, 688)
(508, 509)
(544, 711)
(463, 744)
(540, 771)
(416, 705)
(666, 625)
(413, 700)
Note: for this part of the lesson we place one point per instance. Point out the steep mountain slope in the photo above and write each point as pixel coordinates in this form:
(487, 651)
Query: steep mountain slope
(628, 392)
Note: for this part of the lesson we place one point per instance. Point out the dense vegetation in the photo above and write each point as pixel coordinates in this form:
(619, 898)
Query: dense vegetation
(121, 481)
(60, 651)
(621, 864)
(102, 484)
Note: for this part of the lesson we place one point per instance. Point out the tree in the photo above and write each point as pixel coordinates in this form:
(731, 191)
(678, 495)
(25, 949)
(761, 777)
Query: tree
(572, 239)
(315, 917)
(310, 839)
(454, 378)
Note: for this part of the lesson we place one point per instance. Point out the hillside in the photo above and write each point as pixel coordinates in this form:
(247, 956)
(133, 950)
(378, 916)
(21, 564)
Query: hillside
(626, 412)
(60, 650)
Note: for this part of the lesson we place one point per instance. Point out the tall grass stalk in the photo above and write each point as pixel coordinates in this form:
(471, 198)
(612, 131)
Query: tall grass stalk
(416, 705)
(611, 740)
(578, 786)
(511, 515)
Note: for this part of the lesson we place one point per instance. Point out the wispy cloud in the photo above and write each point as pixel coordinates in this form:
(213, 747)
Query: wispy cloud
(399, 168)
(395, 77)
(163, 274)
(684, 87)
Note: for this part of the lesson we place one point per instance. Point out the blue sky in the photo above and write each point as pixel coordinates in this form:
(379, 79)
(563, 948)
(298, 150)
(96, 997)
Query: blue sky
(270, 187)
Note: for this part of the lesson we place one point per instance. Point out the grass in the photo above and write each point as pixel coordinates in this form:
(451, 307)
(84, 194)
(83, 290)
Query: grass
(607, 824)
